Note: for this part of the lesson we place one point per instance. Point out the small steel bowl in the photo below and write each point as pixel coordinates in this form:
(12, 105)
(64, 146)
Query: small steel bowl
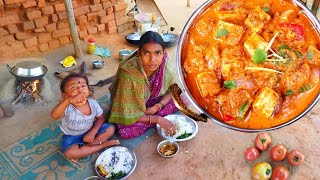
(166, 142)
(124, 53)
(97, 64)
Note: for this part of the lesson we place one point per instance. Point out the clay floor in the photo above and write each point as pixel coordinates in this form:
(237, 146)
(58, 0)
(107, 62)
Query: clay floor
(215, 153)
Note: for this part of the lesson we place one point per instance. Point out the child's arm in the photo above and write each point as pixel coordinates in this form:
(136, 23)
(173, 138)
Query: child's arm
(58, 111)
(89, 137)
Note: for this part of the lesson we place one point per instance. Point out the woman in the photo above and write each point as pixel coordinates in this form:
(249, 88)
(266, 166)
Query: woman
(141, 98)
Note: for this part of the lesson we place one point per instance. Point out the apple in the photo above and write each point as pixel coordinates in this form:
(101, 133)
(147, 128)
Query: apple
(261, 171)
(262, 141)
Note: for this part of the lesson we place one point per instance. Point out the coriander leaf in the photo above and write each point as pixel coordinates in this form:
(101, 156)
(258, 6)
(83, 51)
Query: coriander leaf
(259, 56)
(266, 9)
(310, 55)
(289, 92)
(230, 84)
(221, 32)
(297, 53)
(283, 47)
(242, 108)
(304, 88)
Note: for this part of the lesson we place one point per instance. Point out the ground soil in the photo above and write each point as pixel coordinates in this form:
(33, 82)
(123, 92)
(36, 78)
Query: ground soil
(215, 153)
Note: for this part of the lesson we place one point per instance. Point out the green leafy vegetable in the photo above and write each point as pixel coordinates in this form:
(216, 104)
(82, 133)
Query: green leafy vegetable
(304, 88)
(117, 175)
(242, 108)
(310, 55)
(297, 53)
(184, 135)
(283, 47)
(230, 84)
(266, 9)
(259, 56)
(289, 92)
(221, 32)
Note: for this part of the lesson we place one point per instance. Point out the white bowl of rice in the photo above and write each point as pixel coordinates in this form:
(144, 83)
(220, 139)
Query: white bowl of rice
(186, 128)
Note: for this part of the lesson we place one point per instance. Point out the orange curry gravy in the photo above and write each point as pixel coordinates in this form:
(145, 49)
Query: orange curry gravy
(232, 73)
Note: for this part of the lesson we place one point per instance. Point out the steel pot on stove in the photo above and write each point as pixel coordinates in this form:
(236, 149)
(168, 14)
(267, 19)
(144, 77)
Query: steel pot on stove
(28, 70)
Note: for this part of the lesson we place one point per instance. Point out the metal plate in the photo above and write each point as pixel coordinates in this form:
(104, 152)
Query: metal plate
(113, 154)
(175, 118)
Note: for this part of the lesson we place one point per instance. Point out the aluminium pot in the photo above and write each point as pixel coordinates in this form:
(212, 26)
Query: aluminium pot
(204, 114)
(28, 70)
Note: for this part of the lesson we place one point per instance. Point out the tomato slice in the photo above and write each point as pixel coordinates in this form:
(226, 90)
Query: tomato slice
(227, 118)
(296, 28)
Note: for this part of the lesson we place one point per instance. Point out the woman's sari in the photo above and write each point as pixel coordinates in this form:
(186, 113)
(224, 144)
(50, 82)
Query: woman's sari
(135, 92)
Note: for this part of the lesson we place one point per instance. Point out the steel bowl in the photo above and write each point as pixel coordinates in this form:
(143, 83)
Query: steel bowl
(124, 53)
(176, 118)
(97, 64)
(166, 142)
(181, 73)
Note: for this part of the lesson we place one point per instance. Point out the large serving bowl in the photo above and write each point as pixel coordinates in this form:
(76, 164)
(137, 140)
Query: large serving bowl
(187, 88)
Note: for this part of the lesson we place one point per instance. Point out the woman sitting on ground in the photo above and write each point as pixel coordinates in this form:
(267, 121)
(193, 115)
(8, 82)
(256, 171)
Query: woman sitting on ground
(141, 98)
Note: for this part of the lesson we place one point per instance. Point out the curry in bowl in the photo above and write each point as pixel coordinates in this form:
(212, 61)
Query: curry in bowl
(252, 64)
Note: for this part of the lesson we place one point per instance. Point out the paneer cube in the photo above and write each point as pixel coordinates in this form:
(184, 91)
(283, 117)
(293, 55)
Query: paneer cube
(237, 15)
(208, 83)
(232, 33)
(257, 19)
(253, 42)
(266, 101)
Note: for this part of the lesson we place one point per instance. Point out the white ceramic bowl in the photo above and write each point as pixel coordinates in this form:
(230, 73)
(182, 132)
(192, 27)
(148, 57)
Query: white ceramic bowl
(179, 120)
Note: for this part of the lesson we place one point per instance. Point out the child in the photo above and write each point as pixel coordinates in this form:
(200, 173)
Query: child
(82, 120)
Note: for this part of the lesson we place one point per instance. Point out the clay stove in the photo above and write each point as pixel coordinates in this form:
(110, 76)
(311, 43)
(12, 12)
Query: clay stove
(28, 91)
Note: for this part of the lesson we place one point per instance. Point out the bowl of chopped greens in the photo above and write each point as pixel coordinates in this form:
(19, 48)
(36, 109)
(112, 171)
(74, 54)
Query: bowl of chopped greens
(186, 128)
(116, 163)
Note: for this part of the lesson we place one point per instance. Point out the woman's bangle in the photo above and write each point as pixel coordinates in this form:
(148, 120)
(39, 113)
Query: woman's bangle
(161, 104)
(149, 118)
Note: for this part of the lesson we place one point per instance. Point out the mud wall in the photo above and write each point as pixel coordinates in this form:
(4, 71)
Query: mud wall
(41, 25)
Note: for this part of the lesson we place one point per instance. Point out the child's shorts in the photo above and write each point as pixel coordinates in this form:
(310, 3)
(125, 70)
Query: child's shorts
(69, 140)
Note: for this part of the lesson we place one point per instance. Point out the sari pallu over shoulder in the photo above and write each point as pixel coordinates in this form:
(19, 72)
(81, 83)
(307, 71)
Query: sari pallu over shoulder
(129, 95)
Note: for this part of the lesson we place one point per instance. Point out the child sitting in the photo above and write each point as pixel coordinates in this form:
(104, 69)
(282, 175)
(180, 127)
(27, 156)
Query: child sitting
(82, 121)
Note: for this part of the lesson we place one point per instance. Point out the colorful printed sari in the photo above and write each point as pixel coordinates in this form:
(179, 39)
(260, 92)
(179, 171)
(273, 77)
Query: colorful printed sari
(135, 92)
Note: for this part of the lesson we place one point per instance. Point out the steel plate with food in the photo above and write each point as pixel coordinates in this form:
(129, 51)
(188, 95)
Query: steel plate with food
(186, 128)
(251, 65)
(116, 163)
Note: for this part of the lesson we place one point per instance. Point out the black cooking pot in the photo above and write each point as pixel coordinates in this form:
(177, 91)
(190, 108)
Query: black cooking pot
(169, 39)
(28, 70)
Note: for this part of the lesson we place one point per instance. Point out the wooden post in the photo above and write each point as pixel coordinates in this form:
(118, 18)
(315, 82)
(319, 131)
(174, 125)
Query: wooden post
(188, 3)
(73, 28)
